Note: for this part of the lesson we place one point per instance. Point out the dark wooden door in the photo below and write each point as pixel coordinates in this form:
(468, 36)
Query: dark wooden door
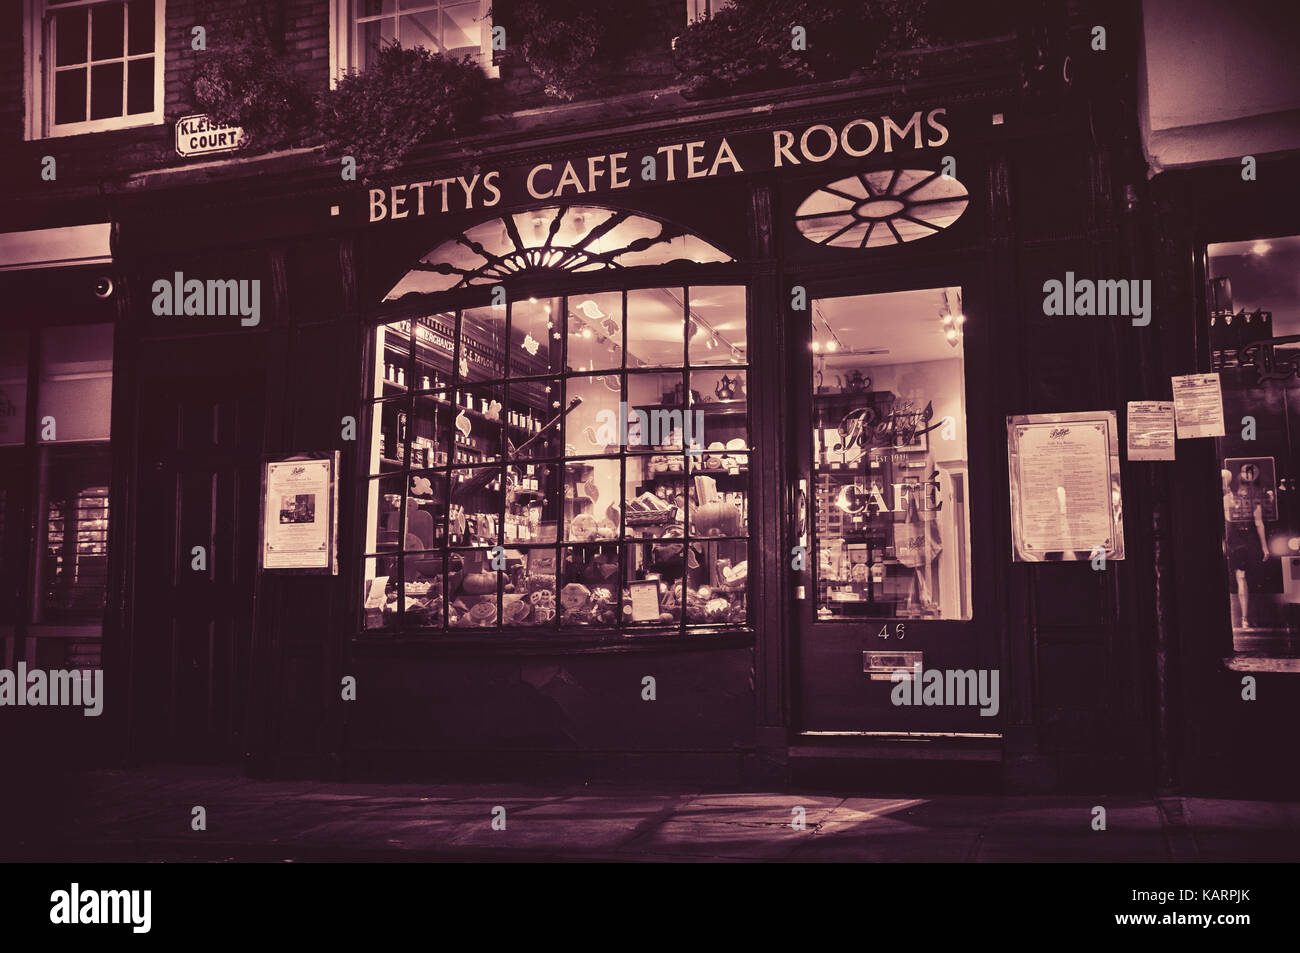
(932, 602)
(195, 565)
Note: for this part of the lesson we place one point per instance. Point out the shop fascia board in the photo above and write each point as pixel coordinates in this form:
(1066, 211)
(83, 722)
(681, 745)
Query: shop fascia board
(523, 132)
(1221, 143)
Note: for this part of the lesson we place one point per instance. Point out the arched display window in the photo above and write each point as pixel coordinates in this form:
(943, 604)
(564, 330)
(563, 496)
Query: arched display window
(568, 462)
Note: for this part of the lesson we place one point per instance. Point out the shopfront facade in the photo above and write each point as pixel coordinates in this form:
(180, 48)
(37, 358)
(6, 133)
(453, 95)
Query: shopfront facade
(663, 441)
(487, 354)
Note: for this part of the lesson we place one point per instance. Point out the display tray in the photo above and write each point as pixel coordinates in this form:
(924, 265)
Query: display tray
(650, 519)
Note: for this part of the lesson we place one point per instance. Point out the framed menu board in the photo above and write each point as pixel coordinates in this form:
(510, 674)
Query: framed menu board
(299, 519)
(1065, 486)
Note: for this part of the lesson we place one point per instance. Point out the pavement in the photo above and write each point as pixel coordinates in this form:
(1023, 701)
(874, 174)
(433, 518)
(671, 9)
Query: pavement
(116, 815)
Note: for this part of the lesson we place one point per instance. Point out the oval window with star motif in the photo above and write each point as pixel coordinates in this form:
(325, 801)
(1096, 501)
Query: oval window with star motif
(886, 207)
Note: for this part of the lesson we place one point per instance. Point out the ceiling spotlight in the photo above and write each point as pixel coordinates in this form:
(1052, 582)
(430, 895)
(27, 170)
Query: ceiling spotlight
(532, 301)
(586, 332)
(960, 318)
(832, 345)
(816, 345)
(1259, 248)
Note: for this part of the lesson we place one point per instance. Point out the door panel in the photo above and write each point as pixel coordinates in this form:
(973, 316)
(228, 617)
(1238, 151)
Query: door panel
(884, 449)
(193, 631)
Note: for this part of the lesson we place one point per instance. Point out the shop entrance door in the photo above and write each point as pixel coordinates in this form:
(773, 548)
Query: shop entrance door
(195, 565)
(885, 470)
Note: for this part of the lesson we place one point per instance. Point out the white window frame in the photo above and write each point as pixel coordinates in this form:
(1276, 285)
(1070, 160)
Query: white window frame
(343, 32)
(38, 75)
(695, 9)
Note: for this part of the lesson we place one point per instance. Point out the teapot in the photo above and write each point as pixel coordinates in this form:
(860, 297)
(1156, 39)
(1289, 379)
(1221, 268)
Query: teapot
(726, 388)
(855, 383)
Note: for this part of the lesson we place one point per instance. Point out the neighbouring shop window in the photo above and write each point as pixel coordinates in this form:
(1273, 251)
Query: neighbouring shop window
(72, 575)
(892, 529)
(578, 462)
(58, 471)
(102, 62)
(454, 27)
(1254, 304)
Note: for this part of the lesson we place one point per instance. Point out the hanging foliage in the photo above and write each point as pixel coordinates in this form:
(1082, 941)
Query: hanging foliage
(763, 44)
(244, 83)
(568, 44)
(405, 98)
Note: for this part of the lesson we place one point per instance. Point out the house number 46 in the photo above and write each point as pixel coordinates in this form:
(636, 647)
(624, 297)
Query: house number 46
(884, 631)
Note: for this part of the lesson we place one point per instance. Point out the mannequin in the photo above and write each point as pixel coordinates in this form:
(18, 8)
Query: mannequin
(1244, 543)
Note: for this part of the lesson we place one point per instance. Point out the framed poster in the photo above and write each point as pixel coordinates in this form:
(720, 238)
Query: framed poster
(299, 520)
(1065, 486)
(645, 600)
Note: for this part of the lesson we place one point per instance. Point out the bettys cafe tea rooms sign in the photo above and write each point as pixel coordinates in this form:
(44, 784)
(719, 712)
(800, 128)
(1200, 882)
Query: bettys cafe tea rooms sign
(708, 158)
(198, 135)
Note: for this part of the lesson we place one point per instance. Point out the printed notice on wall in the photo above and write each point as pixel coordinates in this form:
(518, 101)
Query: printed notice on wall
(1150, 430)
(1065, 486)
(1198, 406)
(297, 514)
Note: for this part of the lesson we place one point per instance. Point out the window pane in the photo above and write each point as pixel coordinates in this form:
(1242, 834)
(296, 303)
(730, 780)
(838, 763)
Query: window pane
(106, 90)
(421, 29)
(430, 430)
(535, 338)
(655, 327)
(426, 511)
(532, 503)
(435, 343)
(73, 535)
(140, 27)
(1253, 297)
(379, 593)
(371, 38)
(592, 491)
(13, 387)
(589, 594)
(70, 96)
(717, 325)
(719, 495)
(476, 590)
(385, 508)
(592, 427)
(476, 506)
(718, 418)
(460, 28)
(139, 86)
(891, 527)
(595, 331)
(106, 30)
(655, 497)
(532, 405)
(482, 344)
(370, 8)
(70, 27)
(529, 599)
(76, 381)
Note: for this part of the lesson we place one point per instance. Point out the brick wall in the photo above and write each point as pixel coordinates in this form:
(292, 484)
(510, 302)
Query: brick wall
(83, 161)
